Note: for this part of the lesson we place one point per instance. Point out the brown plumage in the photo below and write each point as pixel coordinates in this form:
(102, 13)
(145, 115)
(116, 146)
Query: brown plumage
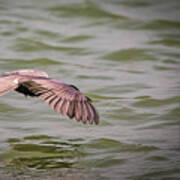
(61, 97)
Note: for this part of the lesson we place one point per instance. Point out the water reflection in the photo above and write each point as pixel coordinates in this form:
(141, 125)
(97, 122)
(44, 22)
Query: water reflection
(44, 152)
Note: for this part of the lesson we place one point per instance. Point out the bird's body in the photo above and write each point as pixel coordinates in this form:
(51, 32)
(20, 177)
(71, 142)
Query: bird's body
(61, 97)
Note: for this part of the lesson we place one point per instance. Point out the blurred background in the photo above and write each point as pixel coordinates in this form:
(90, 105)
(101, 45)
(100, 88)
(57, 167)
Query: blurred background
(124, 54)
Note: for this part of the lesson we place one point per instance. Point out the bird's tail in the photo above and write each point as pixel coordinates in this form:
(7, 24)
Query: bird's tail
(7, 84)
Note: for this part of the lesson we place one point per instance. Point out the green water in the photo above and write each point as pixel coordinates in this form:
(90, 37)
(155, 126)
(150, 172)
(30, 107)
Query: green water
(125, 55)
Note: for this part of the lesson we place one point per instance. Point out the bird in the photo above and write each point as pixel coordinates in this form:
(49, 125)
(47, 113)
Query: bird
(63, 98)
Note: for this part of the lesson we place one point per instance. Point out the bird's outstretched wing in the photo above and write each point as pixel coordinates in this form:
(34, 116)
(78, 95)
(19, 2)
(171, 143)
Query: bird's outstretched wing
(63, 98)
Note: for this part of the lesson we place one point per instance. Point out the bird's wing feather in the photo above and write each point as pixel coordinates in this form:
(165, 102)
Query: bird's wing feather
(8, 84)
(26, 72)
(63, 98)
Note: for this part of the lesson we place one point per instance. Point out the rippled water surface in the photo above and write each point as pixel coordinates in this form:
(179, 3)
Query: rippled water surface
(123, 54)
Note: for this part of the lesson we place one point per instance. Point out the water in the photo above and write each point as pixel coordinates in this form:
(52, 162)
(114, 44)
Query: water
(122, 54)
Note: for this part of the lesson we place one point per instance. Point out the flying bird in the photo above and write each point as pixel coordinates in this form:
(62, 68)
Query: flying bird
(63, 98)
